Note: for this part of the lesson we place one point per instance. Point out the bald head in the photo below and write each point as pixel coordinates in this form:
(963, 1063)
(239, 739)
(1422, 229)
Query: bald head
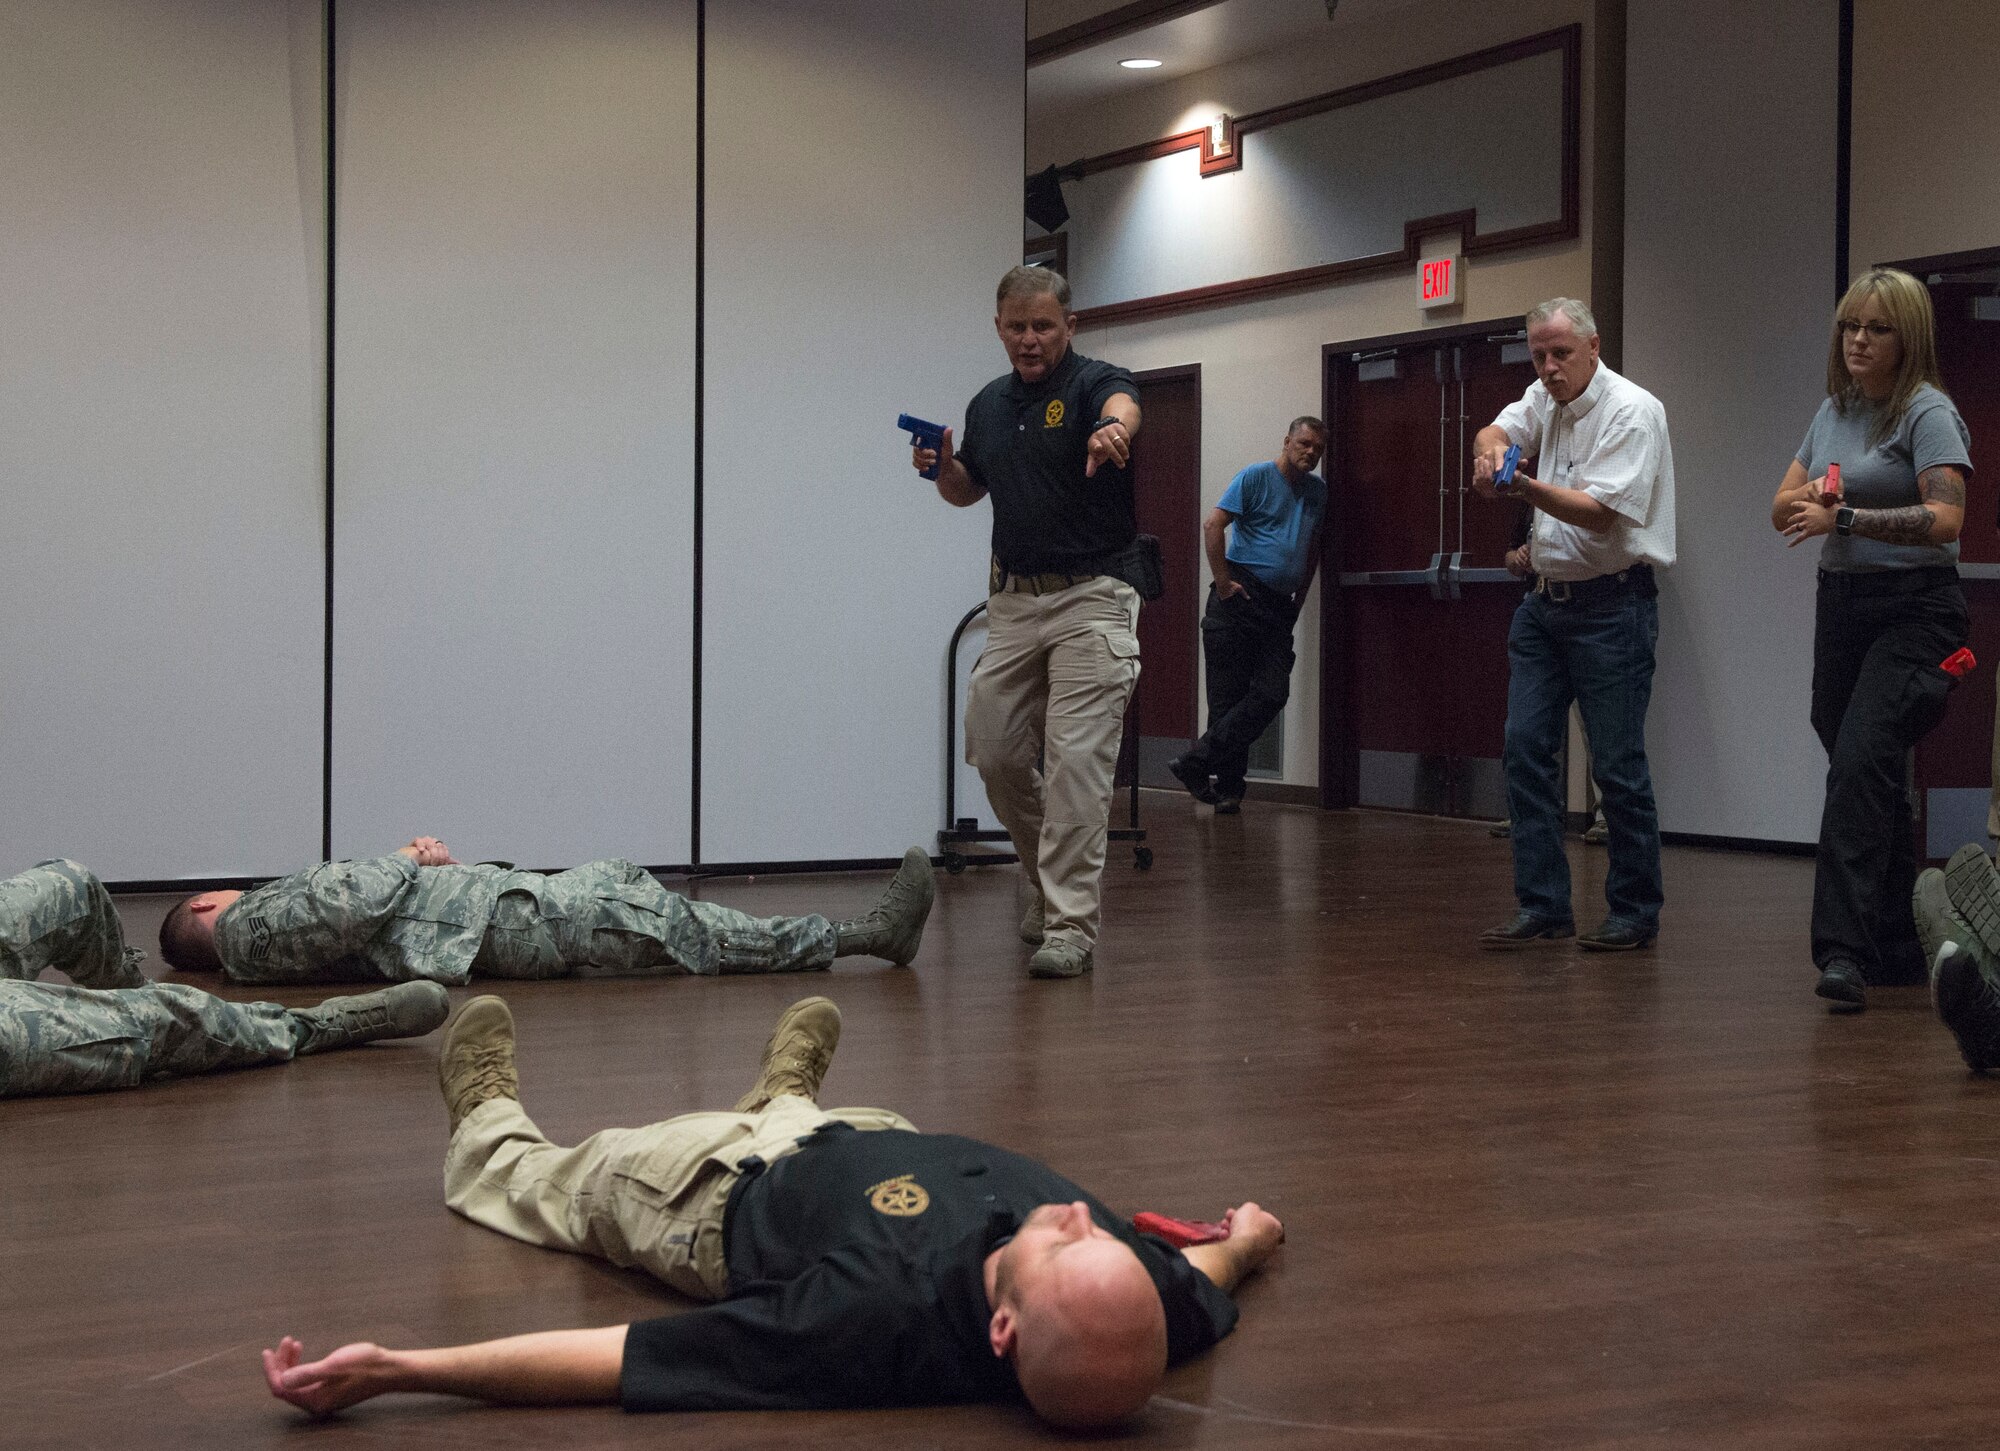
(1080, 1318)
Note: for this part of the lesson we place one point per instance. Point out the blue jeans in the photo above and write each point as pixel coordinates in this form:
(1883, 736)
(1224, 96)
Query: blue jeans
(1599, 655)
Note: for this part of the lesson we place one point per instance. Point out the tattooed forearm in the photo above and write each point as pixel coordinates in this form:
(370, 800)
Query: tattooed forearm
(1942, 485)
(1910, 524)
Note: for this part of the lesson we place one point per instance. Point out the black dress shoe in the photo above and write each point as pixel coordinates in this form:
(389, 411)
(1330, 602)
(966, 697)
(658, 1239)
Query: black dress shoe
(1525, 930)
(1617, 937)
(1841, 985)
(1193, 775)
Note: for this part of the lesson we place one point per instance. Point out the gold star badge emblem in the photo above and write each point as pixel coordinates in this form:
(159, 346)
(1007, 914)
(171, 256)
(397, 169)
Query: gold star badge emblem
(901, 1197)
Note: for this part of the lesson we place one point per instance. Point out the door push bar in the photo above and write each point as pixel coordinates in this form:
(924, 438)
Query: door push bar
(1445, 576)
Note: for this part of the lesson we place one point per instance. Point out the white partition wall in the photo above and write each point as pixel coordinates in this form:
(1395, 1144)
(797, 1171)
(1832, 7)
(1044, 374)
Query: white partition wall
(863, 198)
(514, 427)
(1729, 292)
(160, 424)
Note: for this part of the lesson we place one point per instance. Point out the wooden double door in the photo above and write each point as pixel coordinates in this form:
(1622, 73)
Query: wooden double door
(1414, 669)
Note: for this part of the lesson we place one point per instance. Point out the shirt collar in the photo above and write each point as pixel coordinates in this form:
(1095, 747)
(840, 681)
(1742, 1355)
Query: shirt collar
(1057, 376)
(1593, 391)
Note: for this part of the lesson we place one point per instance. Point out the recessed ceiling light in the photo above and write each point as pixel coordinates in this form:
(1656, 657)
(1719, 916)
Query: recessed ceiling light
(1140, 63)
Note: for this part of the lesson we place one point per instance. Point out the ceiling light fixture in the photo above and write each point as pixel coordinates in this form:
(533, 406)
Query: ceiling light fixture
(1141, 63)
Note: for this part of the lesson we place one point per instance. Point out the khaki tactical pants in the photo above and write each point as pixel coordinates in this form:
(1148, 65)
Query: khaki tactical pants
(649, 1198)
(1043, 720)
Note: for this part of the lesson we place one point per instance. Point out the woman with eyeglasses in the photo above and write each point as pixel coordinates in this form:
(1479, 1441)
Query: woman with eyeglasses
(1881, 477)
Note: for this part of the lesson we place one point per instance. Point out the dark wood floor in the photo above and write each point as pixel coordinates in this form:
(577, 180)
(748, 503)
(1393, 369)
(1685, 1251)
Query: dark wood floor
(1542, 1200)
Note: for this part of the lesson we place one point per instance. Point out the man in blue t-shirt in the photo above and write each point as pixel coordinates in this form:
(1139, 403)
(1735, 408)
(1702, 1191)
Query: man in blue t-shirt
(1260, 584)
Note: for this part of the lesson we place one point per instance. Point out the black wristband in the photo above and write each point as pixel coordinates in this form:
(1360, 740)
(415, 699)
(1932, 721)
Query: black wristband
(1103, 422)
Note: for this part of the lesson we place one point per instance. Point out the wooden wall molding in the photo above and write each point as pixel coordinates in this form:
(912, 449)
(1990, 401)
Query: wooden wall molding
(1109, 26)
(1568, 41)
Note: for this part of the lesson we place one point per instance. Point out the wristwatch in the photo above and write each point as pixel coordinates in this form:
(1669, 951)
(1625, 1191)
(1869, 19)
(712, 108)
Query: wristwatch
(1106, 422)
(1843, 520)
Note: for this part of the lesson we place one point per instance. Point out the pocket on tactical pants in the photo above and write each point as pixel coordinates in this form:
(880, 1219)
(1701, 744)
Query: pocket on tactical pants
(747, 947)
(667, 1220)
(1925, 701)
(627, 933)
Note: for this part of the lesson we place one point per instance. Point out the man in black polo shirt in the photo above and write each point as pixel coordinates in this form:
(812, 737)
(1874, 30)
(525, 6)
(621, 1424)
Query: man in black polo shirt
(857, 1262)
(1050, 442)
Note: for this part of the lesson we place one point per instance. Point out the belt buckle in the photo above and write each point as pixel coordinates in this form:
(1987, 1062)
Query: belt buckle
(1557, 590)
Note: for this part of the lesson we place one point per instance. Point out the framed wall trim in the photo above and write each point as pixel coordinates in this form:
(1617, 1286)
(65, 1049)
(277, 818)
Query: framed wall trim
(1109, 26)
(1228, 156)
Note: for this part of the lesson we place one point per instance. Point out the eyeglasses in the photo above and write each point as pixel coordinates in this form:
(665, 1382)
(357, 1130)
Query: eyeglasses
(1877, 330)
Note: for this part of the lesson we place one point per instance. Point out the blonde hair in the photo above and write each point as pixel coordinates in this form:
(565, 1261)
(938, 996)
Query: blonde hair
(1908, 304)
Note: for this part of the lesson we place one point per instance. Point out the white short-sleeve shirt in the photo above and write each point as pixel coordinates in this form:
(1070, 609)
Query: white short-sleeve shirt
(1610, 442)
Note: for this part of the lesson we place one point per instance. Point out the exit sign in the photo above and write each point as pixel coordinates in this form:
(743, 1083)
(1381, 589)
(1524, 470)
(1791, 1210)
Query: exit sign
(1437, 280)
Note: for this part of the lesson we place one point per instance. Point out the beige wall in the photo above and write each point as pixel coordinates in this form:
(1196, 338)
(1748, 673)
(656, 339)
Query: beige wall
(1926, 175)
(1261, 360)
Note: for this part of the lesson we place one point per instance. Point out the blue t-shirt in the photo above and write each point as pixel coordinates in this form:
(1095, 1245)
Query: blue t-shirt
(1274, 524)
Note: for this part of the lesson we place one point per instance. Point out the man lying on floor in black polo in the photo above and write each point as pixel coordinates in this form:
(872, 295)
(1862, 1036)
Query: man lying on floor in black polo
(856, 1262)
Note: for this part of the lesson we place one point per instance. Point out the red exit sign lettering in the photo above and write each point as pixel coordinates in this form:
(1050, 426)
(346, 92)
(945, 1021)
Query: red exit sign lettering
(1437, 281)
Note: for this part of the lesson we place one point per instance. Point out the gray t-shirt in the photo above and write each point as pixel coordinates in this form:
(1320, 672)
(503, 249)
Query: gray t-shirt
(1885, 476)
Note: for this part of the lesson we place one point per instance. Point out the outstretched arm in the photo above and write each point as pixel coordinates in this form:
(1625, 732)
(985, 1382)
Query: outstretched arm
(1254, 1234)
(553, 1367)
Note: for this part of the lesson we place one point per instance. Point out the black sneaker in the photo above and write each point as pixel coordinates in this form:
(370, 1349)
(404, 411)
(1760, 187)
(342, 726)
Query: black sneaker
(1193, 775)
(1228, 805)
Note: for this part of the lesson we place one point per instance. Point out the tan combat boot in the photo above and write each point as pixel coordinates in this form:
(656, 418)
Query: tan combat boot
(797, 1056)
(477, 1061)
(407, 1010)
(894, 926)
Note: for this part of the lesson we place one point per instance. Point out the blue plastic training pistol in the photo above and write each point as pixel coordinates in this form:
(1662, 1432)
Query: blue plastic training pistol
(923, 435)
(1503, 477)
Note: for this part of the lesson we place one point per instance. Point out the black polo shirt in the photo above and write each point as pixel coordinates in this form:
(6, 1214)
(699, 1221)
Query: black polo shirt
(1026, 445)
(857, 1278)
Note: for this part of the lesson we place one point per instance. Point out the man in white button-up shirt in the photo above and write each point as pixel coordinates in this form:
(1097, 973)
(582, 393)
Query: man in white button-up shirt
(1602, 487)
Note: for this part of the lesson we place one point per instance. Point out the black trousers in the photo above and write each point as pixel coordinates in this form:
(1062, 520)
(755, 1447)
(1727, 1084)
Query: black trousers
(1246, 642)
(1877, 690)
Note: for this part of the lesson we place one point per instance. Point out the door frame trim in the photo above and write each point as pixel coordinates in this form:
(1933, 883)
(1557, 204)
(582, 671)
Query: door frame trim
(1339, 762)
(1182, 373)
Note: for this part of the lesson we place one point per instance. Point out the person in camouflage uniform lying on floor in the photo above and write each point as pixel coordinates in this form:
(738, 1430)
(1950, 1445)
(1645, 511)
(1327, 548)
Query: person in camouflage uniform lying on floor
(417, 913)
(114, 1029)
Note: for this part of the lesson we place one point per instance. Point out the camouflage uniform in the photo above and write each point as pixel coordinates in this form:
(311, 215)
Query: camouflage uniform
(387, 918)
(58, 915)
(57, 1039)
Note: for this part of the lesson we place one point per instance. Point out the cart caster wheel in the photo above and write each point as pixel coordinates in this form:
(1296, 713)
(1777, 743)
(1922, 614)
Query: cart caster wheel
(1142, 858)
(954, 863)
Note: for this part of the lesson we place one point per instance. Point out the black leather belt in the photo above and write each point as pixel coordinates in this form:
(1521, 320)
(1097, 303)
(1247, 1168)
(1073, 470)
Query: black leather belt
(1638, 579)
